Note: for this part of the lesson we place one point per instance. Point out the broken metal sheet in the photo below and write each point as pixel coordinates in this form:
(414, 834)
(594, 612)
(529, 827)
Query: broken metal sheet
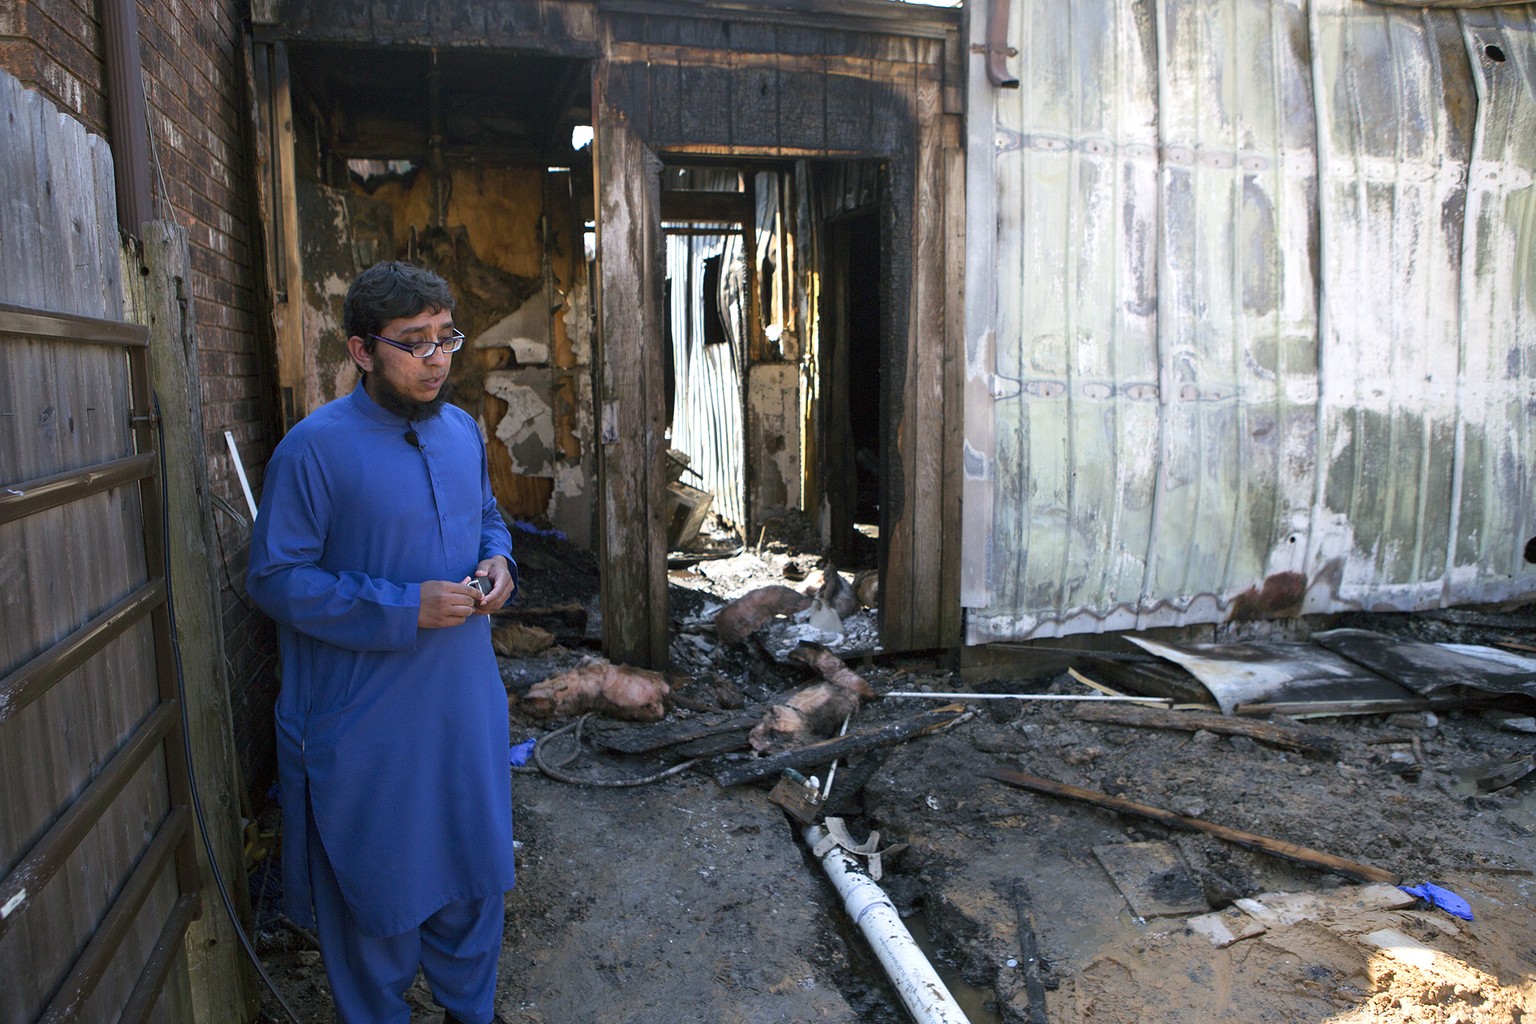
(1152, 878)
(1428, 668)
(1249, 673)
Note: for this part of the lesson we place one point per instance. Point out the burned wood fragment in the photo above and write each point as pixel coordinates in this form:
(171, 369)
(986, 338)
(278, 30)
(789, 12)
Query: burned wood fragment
(1496, 776)
(1324, 708)
(726, 741)
(850, 781)
(739, 619)
(1247, 840)
(646, 738)
(827, 751)
(1291, 737)
(1034, 980)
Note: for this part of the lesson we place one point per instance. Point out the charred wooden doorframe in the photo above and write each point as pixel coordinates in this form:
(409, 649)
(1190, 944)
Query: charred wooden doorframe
(897, 118)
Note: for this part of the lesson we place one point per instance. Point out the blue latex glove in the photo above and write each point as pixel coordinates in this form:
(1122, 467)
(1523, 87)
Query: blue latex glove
(520, 753)
(1435, 896)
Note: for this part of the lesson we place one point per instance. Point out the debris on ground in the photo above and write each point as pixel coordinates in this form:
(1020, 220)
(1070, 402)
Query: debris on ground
(660, 877)
(815, 711)
(615, 691)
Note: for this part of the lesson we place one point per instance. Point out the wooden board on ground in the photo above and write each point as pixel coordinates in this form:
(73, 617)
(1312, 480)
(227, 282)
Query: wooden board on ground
(1152, 878)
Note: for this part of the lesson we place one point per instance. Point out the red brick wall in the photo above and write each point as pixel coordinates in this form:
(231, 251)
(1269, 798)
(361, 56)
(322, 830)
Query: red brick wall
(190, 51)
(55, 48)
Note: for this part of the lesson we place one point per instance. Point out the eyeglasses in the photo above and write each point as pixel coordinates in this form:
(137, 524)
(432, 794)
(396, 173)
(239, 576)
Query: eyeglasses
(424, 349)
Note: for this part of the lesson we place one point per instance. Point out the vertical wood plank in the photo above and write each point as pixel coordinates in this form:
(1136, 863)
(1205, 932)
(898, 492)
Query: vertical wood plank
(921, 433)
(952, 222)
(22, 274)
(630, 419)
(219, 984)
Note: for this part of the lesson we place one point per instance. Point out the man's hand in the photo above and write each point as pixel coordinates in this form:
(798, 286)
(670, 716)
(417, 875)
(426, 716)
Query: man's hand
(444, 604)
(499, 573)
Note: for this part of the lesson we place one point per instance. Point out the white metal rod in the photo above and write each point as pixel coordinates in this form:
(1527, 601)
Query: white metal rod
(245, 485)
(924, 993)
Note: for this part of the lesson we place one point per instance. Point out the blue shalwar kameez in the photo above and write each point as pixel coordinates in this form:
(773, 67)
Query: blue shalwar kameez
(391, 739)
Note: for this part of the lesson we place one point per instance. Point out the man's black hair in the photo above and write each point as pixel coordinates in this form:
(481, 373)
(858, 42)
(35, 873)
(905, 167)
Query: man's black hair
(389, 291)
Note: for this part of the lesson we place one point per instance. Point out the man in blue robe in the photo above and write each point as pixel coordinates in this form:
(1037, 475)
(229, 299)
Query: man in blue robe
(376, 516)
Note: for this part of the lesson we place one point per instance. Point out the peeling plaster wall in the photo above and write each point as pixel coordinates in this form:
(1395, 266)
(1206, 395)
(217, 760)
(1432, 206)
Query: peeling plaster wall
(1256, 333)
(527, 427)
(526, 372)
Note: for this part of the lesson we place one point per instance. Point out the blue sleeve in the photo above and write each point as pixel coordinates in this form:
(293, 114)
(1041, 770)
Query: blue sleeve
(350, 610)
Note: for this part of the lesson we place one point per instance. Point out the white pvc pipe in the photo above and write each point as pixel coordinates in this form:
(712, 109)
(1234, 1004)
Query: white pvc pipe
(918, 984)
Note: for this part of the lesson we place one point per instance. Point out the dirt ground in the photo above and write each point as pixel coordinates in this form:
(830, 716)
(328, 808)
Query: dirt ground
(681, 900)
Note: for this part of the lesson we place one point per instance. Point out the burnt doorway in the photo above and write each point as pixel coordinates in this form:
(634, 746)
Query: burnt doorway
(865, 389)
(853, 383)
(736, 350)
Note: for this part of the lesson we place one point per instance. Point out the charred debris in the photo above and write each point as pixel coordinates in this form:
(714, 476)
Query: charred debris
(778, 682)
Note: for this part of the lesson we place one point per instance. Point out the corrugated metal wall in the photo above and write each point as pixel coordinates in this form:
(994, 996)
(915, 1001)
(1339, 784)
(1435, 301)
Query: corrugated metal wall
(1261, 333)
(706, 407)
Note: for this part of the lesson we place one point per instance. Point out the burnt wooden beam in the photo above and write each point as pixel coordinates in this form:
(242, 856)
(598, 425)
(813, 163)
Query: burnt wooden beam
(1277, 734)
(632, 509)
(1247, 840)
(1029, 954)
(709, 207)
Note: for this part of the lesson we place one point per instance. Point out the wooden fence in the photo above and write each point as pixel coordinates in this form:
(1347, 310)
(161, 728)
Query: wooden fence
(98, 873)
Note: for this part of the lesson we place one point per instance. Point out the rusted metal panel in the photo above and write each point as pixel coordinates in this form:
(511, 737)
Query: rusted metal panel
(1260, 337)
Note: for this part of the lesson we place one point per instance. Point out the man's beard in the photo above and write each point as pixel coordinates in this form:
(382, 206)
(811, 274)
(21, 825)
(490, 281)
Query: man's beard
(390, 399)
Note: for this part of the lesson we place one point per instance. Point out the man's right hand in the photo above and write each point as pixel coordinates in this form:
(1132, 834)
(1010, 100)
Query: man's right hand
(446, 604)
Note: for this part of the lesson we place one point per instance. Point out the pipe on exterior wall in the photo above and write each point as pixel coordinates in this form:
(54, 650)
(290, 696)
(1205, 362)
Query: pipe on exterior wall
(998, 50)
(921, 990)
(127, 118)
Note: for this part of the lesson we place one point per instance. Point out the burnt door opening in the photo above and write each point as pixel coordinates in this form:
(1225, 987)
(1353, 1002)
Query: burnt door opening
(864, 359)
(855, 452)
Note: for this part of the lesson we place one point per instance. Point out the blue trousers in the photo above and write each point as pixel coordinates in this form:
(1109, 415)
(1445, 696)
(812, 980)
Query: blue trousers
(457, 949)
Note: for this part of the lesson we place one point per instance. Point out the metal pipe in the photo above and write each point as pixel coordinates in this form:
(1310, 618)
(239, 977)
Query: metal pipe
(126, 117)
(998, 50)
(921, 990)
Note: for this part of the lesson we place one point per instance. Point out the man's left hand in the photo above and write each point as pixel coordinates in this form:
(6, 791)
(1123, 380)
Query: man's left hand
(499, 573)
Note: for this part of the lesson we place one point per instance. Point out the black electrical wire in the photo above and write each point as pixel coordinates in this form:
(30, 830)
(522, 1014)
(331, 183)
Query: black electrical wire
(186, 735)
